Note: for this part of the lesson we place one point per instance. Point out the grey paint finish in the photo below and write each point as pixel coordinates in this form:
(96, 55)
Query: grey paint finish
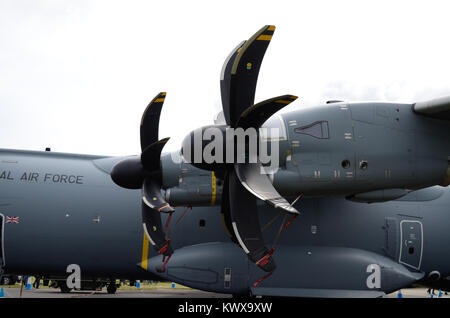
(57, 223)
(309, 267)
(56, 216)
(400, 148)
(94, 224)
(313, 292)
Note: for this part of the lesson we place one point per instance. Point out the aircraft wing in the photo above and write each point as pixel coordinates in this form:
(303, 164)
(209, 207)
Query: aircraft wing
(437, 108)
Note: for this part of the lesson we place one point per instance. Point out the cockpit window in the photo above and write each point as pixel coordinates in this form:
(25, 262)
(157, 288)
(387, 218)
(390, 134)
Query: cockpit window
(273, 129)
(318, 129)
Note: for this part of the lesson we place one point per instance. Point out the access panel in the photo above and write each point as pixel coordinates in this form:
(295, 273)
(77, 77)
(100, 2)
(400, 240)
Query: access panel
(411, 243)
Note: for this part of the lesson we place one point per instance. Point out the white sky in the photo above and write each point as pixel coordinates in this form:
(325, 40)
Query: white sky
(76, 75)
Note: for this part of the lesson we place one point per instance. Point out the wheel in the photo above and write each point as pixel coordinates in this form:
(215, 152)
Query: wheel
(111, 289)
(6, 280)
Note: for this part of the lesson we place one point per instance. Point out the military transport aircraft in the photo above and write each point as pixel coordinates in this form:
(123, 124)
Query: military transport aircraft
(357, 206)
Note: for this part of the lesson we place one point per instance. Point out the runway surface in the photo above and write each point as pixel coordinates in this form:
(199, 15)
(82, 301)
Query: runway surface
(14, 292)
(129, 293)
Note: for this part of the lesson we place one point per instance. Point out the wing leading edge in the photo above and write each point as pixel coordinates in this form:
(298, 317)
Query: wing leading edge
(438, 108)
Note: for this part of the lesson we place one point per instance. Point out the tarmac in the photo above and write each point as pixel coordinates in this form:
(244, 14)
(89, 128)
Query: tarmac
(418, 292)
(179, 292)
(14, 292)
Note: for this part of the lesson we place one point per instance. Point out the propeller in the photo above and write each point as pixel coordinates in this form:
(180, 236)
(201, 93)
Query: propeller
(245, 182)
(145, 173)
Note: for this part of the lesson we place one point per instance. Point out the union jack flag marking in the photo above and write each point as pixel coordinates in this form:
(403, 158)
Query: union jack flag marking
(12, 219)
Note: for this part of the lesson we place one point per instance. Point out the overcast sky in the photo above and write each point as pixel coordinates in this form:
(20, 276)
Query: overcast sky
(76, 75)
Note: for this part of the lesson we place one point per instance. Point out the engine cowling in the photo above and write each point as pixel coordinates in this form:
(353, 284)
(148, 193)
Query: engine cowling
(344, 149)
(368, 152)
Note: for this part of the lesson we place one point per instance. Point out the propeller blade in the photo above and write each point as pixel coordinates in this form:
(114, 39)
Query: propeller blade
(252, 177)
(244, 183)
(151, 221)
(240, 81)
(256, 115)
(245, 223)
(152, 197)
(145, 173)
(150, 157)
(150, 121)
(225, 210)
(225, 80)
(153, 204)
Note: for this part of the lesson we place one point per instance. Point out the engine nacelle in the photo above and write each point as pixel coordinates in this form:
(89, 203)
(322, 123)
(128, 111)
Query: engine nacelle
(195, 145)
(368, 152)
(344, 149)
(187, 185)
(215, 147)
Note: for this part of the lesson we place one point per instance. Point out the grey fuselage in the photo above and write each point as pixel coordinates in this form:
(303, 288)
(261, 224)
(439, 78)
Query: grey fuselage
(71, 212)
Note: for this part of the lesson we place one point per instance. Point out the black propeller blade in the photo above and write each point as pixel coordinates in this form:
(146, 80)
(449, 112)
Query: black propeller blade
(225, 210)
(146, 173)
(150, 121)
(244, 182)
(245, 222)
(240, 74)
(153, 228)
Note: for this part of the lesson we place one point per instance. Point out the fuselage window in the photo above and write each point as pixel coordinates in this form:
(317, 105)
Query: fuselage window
(318, 129)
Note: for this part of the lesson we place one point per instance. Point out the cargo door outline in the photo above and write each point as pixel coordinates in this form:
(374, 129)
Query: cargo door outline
(403, 249)
(2, 241)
